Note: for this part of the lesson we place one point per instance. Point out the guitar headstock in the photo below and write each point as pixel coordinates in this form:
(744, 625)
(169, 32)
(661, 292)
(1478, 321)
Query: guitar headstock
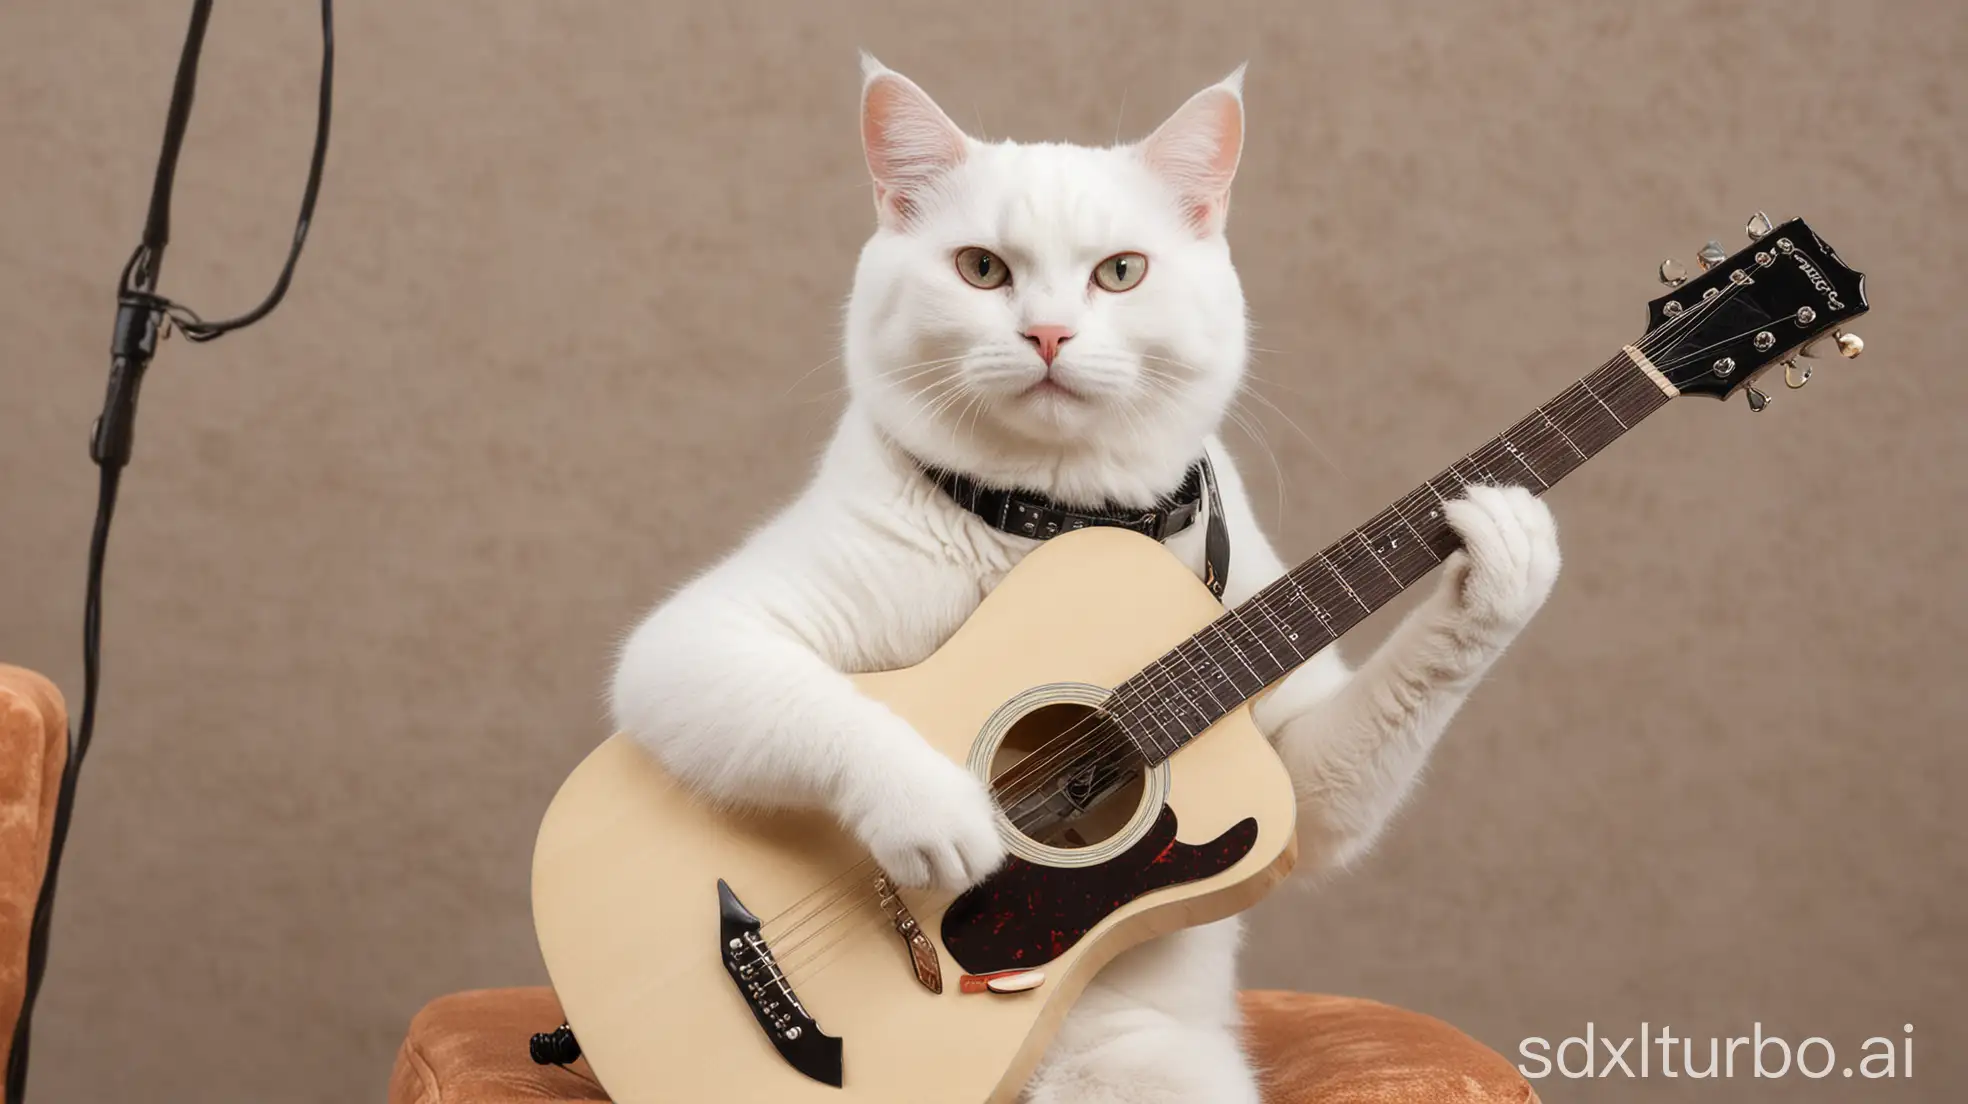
(1787, 292)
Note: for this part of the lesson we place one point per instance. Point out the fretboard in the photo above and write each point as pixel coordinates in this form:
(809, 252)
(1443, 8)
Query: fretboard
(1254, 644)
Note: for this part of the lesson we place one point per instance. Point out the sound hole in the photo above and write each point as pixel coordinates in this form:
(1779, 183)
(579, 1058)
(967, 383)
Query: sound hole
(1066, 776)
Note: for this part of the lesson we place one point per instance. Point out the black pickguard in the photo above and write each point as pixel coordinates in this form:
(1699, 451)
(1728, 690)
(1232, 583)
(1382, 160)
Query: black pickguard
(1026, 915)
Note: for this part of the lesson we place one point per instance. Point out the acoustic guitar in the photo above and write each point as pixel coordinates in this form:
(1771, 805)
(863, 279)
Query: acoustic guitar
(707, 954)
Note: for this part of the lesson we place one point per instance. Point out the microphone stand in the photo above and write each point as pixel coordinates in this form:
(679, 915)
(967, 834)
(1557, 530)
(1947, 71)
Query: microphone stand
(142, 317)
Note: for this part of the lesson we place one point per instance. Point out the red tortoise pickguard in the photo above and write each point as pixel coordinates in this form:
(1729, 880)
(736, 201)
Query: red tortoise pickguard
(1026, 915)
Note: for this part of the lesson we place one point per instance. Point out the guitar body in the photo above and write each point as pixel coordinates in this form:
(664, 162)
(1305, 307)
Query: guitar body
(628, 866)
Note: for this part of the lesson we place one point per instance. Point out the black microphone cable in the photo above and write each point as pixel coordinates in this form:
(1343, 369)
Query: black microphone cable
(142, 316)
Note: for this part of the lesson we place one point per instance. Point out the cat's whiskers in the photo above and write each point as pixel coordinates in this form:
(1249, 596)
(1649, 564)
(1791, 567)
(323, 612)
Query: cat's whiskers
(1241, 416)
(809, 372)
(927, 401)
(915, 371)
(1310, 441)
(950, 396)
(902, 373)
(1252, 377)
(1253, 428)
(976, 404)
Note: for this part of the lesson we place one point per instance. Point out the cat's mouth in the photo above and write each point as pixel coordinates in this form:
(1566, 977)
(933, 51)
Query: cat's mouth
(1051, 388)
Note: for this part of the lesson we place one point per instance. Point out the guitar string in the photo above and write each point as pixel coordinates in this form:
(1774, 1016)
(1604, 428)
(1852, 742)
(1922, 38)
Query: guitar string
(811, 966)
(1659, 338)
(1698, 354)
(852, 888)
(785, 955)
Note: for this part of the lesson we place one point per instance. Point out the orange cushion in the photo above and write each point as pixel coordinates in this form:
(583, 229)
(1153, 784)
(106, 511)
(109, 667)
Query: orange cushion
(1346, 1050)
(33, 747)
(470, 1048)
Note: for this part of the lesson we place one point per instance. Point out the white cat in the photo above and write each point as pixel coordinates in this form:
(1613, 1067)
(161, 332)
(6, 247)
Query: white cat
(980, 338)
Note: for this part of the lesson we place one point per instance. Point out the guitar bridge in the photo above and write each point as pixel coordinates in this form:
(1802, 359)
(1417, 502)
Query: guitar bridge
(922, 953)
(748, 959)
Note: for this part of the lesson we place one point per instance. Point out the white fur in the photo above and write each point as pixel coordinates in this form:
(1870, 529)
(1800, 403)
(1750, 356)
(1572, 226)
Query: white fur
(736, 682)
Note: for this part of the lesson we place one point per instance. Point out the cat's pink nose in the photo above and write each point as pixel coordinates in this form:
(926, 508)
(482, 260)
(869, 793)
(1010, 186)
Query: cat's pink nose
(1047, 340)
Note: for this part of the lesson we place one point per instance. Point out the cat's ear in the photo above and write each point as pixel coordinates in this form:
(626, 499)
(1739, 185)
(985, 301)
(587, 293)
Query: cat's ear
(907, 138)
(1196, 151)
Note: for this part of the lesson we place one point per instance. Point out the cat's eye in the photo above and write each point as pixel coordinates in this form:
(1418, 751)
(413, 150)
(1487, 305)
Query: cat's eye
(1120, 272)
(982, 268)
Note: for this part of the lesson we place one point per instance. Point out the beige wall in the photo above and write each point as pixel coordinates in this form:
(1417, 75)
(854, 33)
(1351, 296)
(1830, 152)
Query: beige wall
(549, 351)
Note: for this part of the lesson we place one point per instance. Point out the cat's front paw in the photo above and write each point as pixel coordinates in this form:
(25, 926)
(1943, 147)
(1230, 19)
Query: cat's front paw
(928, 823)
(1509, 558)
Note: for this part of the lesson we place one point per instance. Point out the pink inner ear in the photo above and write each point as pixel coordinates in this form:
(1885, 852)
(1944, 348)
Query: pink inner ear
(1226, 127)
(1197, 150)
(908, 140)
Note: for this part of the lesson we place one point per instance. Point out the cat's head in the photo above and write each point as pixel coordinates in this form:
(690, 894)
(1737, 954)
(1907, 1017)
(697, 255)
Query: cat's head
(1059, 316)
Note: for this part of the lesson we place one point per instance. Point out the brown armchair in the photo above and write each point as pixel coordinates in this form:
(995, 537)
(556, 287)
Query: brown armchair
(33, 747)
(470, 1048)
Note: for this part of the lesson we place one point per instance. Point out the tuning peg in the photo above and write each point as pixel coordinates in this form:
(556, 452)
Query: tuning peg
(1850, 345)
(1796, 375)
(1759, 224)
(1757, 399)
(1673, 273)
(1711, 255)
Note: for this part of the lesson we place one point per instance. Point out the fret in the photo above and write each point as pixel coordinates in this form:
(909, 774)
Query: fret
(1588, 422)
(1154, 703)
(1202, 715)
(1545, 447)
(1635, 392)
(1152, 751)
(1587, 384)
(1236, 614)
(1285, 632)
(1318, 613)
(1327, 560)
(1485, 477)
(1371, 564)
(1398, 581)
(1183, 652)
(1223, 676)
(1555, 457)
(1562, 434)
(1522, 461)
(1409, 556)
(1360, 570)
(1391, 544)
(1156, 710)
(1262, 682)
(1419, 539)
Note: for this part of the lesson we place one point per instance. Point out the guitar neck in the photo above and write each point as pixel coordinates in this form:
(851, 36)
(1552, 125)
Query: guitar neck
(1255, 644)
